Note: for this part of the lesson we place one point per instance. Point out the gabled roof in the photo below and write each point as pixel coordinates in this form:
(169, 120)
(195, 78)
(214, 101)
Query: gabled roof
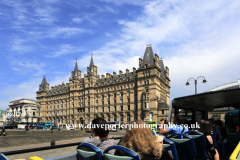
(44, 82)
(91, 65)
(75, 68)
(148, 56)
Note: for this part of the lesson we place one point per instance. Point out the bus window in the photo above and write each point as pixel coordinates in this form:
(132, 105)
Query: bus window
(198, 116)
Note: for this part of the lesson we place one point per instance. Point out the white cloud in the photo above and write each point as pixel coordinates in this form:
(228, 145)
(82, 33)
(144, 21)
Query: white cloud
(67, 32)
(64, 49)
(20, 46)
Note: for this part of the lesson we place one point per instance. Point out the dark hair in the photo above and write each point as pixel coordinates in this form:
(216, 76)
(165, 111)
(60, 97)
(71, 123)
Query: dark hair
(98, 124)
(205, 127)
(218, 122)
(180, 119)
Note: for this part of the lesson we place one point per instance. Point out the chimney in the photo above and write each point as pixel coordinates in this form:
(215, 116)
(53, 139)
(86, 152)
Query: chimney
(120, 72)
(134, 69)
(127, 71)
(140, 62)
(114, 74)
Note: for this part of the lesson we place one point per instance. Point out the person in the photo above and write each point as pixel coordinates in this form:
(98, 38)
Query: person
(142, 141)
(215, 134)
(206, 129)
(223, 132)
(3, 130)
(99, 135)
(51, 129)
(178, 120)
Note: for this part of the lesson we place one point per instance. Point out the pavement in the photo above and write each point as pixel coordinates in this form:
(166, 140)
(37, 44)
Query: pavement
(21, 138)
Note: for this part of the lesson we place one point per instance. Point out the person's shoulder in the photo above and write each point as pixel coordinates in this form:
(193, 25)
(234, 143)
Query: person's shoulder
(112, 141)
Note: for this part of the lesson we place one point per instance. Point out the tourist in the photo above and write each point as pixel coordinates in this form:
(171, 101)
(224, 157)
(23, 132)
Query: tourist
(99, 136)
(223, 132)
(142, 141)
(206, 129)
(215, 134)
(178, 126)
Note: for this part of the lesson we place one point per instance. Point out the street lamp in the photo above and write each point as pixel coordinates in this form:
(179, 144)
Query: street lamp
(195, 82)
(27, 116)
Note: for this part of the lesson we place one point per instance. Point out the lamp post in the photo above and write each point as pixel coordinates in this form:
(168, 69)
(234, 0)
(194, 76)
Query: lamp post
(195, 82)
(27, 116)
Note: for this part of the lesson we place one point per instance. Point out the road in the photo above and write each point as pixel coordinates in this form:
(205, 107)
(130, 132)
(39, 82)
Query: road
(18, 140)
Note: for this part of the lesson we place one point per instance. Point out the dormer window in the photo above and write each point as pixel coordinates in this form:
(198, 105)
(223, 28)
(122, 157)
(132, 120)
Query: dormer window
(146, 65)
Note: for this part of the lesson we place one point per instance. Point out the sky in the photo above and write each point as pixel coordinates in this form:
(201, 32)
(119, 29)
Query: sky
(44, 38)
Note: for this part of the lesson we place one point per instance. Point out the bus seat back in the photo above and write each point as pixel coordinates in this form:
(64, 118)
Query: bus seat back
(3, 157)
(170, 146)
(132, 155)
(87, 151)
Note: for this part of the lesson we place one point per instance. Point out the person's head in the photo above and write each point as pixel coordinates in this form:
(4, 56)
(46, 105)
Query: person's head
(179, 120)
(218, 122)
(98, 127)
(205, 127)
(211, 122)
(141, 140)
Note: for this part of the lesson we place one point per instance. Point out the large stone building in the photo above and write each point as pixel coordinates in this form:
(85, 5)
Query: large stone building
(22, 110)
(140, 94)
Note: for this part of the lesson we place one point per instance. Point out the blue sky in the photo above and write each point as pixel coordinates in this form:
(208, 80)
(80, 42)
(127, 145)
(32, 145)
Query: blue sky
(194, 38)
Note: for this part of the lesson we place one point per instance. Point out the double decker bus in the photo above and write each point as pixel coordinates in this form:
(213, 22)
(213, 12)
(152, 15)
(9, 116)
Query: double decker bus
(113, 126)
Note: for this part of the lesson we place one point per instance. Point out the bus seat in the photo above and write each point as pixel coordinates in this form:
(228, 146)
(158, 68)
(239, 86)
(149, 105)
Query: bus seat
(3, 157)
(200, 143)
(132, 155)
(87, 151)
(170, 146)
(185, 147)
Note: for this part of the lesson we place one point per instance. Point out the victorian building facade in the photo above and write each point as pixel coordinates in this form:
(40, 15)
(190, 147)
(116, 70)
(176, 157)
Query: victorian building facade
(143, 93)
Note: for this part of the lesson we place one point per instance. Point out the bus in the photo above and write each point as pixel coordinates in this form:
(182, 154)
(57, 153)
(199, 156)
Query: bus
(113, 126)
(196, 107)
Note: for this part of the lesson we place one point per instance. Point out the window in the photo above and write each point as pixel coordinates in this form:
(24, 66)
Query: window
(143, 75)
(121, 94)
(128, 93)
(147, 81)
(102, 96)
(114, 89)
(120, 87)
(146, 89)
(102, 90)
(96, 92)
(121, 101)
(97, 98)
(108, 102)
(114, 82)
(146, 65)
(108, 82)
(115, 118)
(128, 100)
(88, 110)
(127, 85)
(147, 96)
(121, 80)
(121, 108)
(114, 108)
(108, 88)
(128, 107)
(102, 102)
(114, 101)
(144, 82)
(108, 95)
(147, 104)
(162, 111)
(128, 79)
(88, 97)
(88, 103)
(135, 107)
(144, 96)
(33, 113)
(96, 110)
(114, 95)
(108, 109)
(73, 111)
(151, 116)
(102, 109)
(96, 103)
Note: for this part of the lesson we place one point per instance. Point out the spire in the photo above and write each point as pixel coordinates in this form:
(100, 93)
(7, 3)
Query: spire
(75, 68)
(91, 64)
(44, 82)
(148, 56)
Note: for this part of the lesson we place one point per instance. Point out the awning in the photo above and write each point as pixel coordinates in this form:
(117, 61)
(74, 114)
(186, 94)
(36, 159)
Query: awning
(209, 100)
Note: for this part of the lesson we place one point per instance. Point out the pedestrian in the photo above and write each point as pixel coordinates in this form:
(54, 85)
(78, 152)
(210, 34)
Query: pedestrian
(3, 130)
(51, 129)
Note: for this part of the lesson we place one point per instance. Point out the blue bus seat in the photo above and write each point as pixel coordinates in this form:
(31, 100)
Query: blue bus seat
(200, 143)
(185, 146)
(132, 155)
(3, 157)
(170, 147)
(87, 151)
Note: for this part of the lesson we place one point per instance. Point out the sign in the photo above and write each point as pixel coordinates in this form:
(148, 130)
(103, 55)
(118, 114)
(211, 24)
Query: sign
(9, 114)
(17, 113)
(16, 102)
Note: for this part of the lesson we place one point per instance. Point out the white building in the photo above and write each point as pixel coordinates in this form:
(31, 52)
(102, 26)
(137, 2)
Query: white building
(231, 85)
(19, 110)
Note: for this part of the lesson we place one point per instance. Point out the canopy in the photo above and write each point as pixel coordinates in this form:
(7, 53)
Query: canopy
(209, 100)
